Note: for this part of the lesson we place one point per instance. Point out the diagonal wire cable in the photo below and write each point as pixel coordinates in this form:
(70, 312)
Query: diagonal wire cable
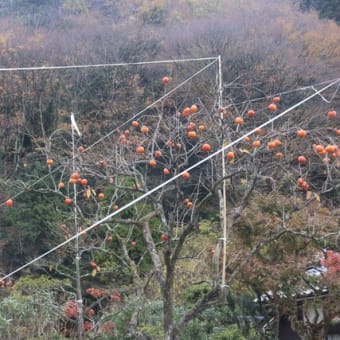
(302, 88)
(166, 95)
(145, 195)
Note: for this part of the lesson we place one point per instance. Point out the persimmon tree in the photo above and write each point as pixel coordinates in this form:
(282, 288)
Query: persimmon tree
(142, 247)
(173, 139)
(147, 251)
(81, 187)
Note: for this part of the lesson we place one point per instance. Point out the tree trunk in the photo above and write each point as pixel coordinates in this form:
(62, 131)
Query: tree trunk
(168, 311)
(168, 298)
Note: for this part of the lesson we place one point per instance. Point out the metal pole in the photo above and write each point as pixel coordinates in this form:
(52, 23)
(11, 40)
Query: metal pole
(76, 244)
(224, 185)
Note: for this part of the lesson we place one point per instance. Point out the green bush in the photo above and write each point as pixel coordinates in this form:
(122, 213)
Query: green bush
(29, 317)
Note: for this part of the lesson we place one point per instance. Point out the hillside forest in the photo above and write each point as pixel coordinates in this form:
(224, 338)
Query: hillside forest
(169, 169)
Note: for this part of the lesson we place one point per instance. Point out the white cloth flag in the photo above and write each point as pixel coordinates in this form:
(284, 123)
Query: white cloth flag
(74, 124)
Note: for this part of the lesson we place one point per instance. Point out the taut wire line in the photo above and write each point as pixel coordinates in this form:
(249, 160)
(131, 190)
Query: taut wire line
(65, 67)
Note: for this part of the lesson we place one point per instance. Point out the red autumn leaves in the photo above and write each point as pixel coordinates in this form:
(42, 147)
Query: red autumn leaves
(71, 309)
(331, 262)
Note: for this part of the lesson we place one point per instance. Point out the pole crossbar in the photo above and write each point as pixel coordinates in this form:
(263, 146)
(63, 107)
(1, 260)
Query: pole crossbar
(65, 67)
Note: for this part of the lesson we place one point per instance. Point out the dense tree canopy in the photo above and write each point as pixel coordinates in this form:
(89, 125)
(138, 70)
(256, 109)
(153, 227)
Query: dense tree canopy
(326, 8)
